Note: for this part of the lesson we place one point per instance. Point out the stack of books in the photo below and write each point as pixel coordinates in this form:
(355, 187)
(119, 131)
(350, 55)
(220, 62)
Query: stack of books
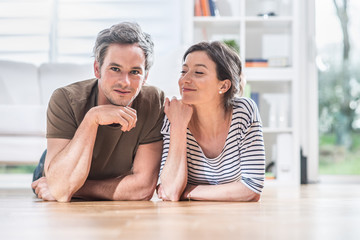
(256, 62)
(206, 8)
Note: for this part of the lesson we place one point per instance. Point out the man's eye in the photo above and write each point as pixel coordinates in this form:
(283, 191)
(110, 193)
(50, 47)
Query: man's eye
(115, 69)
(183, 72)
(135, 72)
(199, 72)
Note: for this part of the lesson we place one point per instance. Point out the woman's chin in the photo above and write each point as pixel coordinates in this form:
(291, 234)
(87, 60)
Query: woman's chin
(186, 100)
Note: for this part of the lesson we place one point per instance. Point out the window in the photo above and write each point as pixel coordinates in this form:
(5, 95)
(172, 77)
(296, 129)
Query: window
(339, 86)
(40, 31)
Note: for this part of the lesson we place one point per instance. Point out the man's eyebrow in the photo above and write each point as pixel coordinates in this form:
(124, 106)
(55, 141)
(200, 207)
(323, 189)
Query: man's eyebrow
(118, 65)
(115, 64)
(139, 68)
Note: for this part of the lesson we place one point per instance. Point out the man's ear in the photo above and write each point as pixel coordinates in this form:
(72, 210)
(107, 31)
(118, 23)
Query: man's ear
(225, 85)
(146, 76)
(97, 69)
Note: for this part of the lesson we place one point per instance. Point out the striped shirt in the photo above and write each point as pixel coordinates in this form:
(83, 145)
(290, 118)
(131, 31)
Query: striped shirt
(242, 158)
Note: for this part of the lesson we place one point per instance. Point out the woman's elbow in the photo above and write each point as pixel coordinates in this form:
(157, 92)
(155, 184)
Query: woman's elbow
(254, 197)
(175, 197)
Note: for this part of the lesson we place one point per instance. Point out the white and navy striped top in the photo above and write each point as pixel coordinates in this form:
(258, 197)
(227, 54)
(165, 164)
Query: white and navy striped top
(242, 158)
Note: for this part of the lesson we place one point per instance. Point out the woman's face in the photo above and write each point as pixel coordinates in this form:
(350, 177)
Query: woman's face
(198, 83)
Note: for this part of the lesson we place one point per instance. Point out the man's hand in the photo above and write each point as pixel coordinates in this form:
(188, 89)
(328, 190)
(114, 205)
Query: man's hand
(111, 114)
(42, 189)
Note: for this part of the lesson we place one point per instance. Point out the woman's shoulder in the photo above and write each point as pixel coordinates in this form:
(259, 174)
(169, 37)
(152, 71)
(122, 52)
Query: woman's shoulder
(245, 103)
(246, 106)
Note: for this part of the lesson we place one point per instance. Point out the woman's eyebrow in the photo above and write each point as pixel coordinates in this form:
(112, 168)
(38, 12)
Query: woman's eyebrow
(196, 65)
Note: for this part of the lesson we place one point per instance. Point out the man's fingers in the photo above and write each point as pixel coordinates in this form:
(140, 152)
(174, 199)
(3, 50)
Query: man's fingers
(37, 190)
(35, 183)
(127, 118)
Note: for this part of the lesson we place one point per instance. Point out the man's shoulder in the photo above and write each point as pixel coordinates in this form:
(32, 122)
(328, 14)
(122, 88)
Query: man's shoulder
(151, 90)
(150, 104)
(151, 94)
(82, 87)
(79, 91)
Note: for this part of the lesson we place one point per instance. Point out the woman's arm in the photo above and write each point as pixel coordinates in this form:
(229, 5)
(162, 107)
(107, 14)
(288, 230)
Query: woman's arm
(174, 173)
(235, 191)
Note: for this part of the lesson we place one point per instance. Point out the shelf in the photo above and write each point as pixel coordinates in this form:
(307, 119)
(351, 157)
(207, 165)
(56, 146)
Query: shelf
(217, 19)
(253, 74)
(237, 20)
(269, 19)
(273, 88)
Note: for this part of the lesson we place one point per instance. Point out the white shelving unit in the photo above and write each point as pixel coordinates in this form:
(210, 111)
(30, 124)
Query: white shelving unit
(260, 37)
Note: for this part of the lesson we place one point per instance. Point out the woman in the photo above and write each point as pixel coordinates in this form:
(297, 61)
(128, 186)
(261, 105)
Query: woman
(213, 144)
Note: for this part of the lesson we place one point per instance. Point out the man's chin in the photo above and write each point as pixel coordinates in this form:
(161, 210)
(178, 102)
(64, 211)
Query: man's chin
(121, 103)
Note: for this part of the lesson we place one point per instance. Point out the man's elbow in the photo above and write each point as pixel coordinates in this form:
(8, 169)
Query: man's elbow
(146, 194)
(62, 196)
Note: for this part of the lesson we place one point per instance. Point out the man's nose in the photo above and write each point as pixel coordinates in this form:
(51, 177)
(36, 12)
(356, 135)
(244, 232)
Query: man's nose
(124, 79)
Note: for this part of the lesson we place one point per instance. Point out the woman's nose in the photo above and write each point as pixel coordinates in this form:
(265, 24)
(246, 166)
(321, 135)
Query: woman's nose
(186, 77)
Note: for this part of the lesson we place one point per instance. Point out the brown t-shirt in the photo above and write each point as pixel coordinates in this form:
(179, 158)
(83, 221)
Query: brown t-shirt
(114, 150)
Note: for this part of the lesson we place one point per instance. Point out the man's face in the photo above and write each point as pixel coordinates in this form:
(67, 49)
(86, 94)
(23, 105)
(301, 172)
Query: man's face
(122, 74)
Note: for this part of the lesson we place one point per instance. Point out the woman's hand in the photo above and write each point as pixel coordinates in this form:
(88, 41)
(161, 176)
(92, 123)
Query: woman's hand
(160, 193)
(178, 113)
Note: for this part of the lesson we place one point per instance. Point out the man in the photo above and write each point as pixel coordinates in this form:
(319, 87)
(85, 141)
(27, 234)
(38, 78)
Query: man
(103, 134)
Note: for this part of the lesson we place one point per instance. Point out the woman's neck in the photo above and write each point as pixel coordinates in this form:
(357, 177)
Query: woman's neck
(209, 121)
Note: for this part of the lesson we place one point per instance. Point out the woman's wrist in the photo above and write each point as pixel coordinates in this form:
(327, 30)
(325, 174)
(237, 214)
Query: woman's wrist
(178, 127)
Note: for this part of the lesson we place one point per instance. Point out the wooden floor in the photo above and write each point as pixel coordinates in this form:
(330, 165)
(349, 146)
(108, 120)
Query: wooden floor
(318, 211)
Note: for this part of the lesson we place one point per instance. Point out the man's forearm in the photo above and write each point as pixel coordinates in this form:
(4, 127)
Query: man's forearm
(127, 187)
(69, 168)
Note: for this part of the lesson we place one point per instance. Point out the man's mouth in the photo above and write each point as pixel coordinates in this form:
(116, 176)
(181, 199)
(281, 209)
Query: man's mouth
(122, 91)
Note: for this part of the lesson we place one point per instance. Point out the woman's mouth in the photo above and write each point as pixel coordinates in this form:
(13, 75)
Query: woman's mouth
(188, 90)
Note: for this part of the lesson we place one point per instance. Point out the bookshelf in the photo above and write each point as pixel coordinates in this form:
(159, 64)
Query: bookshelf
(267, 35)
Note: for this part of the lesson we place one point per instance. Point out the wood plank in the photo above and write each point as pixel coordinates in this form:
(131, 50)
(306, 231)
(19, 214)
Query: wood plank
(321, 211)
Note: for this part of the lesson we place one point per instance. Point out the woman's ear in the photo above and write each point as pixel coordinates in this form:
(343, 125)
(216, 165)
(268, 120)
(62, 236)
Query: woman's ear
(225, 85)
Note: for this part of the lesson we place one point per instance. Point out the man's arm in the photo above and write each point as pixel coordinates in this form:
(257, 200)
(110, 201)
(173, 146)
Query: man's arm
(67, 163)
(139, 184)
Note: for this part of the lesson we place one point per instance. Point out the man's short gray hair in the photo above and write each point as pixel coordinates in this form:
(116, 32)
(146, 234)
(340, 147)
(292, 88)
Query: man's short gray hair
(124, 33)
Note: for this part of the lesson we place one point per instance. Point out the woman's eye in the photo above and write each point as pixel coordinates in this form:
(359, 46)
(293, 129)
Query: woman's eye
(115, 69)
(199, 73)
(183, 72)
